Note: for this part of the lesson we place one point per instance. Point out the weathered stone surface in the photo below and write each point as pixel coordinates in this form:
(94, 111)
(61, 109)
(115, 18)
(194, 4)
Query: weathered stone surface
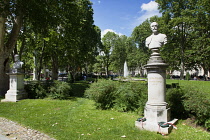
(13, 130)
(156, 109)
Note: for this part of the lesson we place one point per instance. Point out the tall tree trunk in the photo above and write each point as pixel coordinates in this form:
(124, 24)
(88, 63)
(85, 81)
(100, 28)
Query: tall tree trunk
(4, 82)
(35, 75)
(6, 49)
(55, 67)
(40, 61)
(4, 68)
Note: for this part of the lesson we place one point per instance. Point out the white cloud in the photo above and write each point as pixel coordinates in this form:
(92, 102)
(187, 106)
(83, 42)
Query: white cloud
(109, 30)
(99, 1)
(151, 6)
(147, 10)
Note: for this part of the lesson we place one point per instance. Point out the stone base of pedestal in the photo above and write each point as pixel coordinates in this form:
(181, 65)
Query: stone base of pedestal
(155, 113)
(158, 112)
(14, 95)
(151, 126)
(16, 91)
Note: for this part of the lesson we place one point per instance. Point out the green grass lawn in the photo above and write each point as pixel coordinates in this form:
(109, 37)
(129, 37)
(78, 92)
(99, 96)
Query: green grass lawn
(200, 85)
(78, 119)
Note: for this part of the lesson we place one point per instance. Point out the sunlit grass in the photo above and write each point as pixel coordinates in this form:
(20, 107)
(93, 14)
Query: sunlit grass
(200, 85)
(78, 119)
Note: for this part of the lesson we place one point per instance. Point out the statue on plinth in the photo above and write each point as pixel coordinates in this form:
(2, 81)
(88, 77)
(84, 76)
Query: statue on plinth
(16, 90)
(156, 110)
(154, 42)
(17, 66)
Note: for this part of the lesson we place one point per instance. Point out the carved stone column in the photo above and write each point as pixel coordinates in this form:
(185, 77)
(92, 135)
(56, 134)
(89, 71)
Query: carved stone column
(156, 109)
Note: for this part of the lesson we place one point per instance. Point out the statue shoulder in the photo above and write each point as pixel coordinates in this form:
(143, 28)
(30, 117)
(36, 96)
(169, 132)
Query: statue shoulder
(162, 35)
(149, 37)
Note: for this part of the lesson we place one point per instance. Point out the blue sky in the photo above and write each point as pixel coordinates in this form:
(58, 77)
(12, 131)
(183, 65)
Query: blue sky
(122, 16)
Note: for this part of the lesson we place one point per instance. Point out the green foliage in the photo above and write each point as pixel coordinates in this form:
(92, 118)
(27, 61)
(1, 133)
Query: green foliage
(197, 103)
(60, 90)
(123, 96)
(190, 101)
(168, 76)
(186, 24)
(36, 90)
(187, 77)
(54, 90)
(78, 119)
(175, 99)
(78, 88)
(70, 78)
(103, 93)
(131, 96)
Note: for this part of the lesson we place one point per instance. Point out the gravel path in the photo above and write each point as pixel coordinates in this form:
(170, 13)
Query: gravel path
(13, 131)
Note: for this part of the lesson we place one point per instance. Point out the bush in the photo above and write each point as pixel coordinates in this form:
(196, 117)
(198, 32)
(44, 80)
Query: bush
(131, 96)
(60, 90)
(123, 96)
(103, 93)
(168, 76)
(175, 99)
(36, 90)
(185, 102)
(197, 103)
(70, 78)
(187, 77)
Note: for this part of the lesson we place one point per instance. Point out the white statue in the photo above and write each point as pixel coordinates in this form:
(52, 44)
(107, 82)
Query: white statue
(156, 40)
(18, 64)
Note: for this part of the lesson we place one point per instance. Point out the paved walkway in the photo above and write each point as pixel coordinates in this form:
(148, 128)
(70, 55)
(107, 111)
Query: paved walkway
(3, 137)
(10, 130)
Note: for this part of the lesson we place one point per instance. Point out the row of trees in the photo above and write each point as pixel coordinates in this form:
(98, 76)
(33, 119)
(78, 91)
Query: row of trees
(187, 26)
(47, 34)
(61, 35)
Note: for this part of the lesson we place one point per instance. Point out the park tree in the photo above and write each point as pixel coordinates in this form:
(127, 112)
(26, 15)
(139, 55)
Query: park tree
(199, 55)
(118, 55)
(44, 19)
(82, 38)
(187, 29)
(13, 15)
(139, 35)
(109, 41)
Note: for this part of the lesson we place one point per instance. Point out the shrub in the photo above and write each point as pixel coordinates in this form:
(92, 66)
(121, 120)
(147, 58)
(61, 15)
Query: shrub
(131, 96)
(103, 93)
(187, 77)
(175, 99)
(185, 102)
(168, 76)
(36, 90)
(60, 90)
(70, 78)
(197, 103)
(123, 96)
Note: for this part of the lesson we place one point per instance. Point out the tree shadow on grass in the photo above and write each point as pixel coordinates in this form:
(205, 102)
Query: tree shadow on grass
(78, 88)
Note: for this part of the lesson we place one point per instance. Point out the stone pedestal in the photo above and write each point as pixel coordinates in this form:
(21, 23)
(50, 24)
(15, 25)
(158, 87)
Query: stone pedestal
(16, 90)
(156, 109)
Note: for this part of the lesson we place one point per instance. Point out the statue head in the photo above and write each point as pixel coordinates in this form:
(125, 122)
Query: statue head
(17, 64)
(16, 57)
(154, 27)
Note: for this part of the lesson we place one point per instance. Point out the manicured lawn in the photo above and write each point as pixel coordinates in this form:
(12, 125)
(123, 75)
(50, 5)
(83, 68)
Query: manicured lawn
(78, 119)
(200, 85)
